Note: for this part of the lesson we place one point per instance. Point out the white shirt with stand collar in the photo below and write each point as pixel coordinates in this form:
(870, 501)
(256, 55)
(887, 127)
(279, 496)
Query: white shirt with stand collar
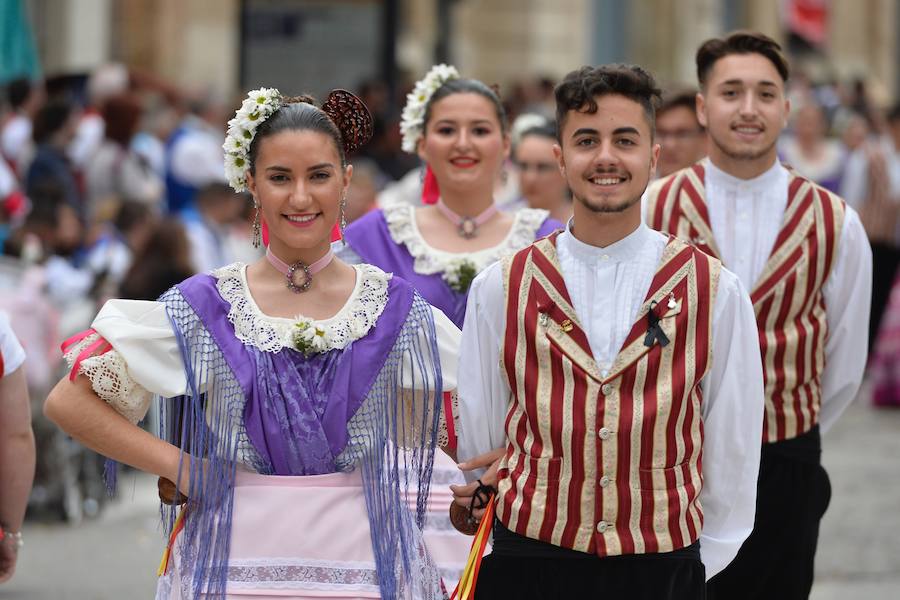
(607, 286)
(746, 217)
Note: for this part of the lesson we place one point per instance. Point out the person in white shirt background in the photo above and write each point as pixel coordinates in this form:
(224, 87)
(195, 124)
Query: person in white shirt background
(218, 208)
(194, 156)
(803, 254)
(871, 185)
(612, 268)
(17, 454)
(25, 98)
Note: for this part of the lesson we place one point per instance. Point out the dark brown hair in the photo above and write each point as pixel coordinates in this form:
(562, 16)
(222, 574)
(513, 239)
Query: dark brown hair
(122, 113)
(343, 117)
(579, 90)
(50, 119)
(468, 86)
(164, 261)
(740, 42)
(297, 113)
(680, 99)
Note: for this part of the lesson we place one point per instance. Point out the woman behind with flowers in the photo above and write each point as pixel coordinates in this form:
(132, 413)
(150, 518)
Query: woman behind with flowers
(458, 128)
(292, 431)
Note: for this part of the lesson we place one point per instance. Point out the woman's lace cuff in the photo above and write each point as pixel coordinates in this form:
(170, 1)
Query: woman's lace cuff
(110, 380)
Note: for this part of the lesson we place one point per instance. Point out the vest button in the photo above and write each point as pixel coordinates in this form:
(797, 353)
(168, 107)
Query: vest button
(604, 433)
(607, 389)
(602, 526)
(604, 481)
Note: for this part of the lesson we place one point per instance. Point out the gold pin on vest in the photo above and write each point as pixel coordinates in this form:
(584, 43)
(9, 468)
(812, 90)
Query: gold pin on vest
(567, 326)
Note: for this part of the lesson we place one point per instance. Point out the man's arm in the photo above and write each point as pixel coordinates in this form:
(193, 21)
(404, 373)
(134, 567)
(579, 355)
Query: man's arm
(482, 389)
(733, 406)
(848, 300)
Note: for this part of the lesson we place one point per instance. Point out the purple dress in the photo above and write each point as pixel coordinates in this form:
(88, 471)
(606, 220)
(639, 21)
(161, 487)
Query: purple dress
(388, 238)
(285, 412)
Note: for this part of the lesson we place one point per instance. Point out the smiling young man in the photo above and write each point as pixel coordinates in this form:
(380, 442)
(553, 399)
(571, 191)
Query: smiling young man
(804, 256)
(605, 360)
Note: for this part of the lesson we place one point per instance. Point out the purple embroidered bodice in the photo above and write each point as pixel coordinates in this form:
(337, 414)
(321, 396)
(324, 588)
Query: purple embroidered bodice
(297, 407)
(370, 237)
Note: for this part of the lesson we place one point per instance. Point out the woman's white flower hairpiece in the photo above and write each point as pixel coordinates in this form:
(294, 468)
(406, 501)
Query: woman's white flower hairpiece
(257, 107)
(412, 121)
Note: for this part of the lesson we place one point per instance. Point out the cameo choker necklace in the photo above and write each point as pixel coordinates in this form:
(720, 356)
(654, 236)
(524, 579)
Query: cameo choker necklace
(299, 275)
(466, 227)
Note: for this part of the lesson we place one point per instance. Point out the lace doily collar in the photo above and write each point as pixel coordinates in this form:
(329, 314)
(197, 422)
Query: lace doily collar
(272, 334)
(401, 222)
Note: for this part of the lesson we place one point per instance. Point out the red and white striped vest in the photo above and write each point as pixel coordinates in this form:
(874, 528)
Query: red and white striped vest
(606, 465)
(787, 298)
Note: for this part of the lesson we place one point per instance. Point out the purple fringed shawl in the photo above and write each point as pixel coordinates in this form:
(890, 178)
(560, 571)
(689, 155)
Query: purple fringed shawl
(287, 414)
(370, 237)
(298, 407)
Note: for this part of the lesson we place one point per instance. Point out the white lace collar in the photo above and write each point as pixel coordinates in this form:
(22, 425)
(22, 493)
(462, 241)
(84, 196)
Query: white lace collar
(272, 334)
(401, 221)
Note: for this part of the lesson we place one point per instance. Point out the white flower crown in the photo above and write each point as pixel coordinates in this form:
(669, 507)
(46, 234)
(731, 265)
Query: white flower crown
(413, 118)
(257, 107)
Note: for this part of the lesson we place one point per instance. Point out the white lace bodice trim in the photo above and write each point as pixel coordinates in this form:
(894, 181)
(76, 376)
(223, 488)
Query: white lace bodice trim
(110, 380)
(272, 334)
(401, 222)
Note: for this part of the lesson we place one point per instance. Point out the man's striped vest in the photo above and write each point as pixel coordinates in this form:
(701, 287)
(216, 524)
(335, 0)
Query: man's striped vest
(787, 298)
(606, 465)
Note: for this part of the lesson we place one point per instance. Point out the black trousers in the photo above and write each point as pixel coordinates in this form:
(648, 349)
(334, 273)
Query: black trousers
(777, 559)
(885, 260)
(520, 568)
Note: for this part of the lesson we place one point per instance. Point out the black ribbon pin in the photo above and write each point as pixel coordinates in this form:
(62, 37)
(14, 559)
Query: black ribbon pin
(654, 330)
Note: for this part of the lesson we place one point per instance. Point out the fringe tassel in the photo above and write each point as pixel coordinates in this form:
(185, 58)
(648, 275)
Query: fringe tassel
(111, 476)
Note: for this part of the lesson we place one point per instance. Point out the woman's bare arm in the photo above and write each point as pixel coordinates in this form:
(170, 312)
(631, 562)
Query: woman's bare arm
(16, 449)
(78, 411)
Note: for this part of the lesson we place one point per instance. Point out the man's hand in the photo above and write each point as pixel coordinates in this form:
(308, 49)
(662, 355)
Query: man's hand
(462, 494)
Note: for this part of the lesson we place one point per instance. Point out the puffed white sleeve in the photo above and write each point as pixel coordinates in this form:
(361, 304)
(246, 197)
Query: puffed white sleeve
(483, 392)
(144, 358)
(448, 339)
(848, 297)
(733, 407)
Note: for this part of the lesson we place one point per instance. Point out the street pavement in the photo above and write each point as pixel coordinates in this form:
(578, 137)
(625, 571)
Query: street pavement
(109, 558)
(859, 540)
(116, 555)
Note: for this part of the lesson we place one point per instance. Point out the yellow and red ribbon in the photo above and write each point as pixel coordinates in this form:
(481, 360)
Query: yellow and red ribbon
(167, 553)
(465, 589)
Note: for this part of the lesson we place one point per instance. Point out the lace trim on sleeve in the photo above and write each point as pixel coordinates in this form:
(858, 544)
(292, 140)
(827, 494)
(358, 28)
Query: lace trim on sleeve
(110, 380)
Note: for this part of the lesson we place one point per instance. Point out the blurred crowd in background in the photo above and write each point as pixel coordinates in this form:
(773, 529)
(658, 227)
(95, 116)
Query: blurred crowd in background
(112, 185)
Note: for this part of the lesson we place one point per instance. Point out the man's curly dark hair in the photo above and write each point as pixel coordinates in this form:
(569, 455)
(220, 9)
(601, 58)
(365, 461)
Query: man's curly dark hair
(580, 89)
